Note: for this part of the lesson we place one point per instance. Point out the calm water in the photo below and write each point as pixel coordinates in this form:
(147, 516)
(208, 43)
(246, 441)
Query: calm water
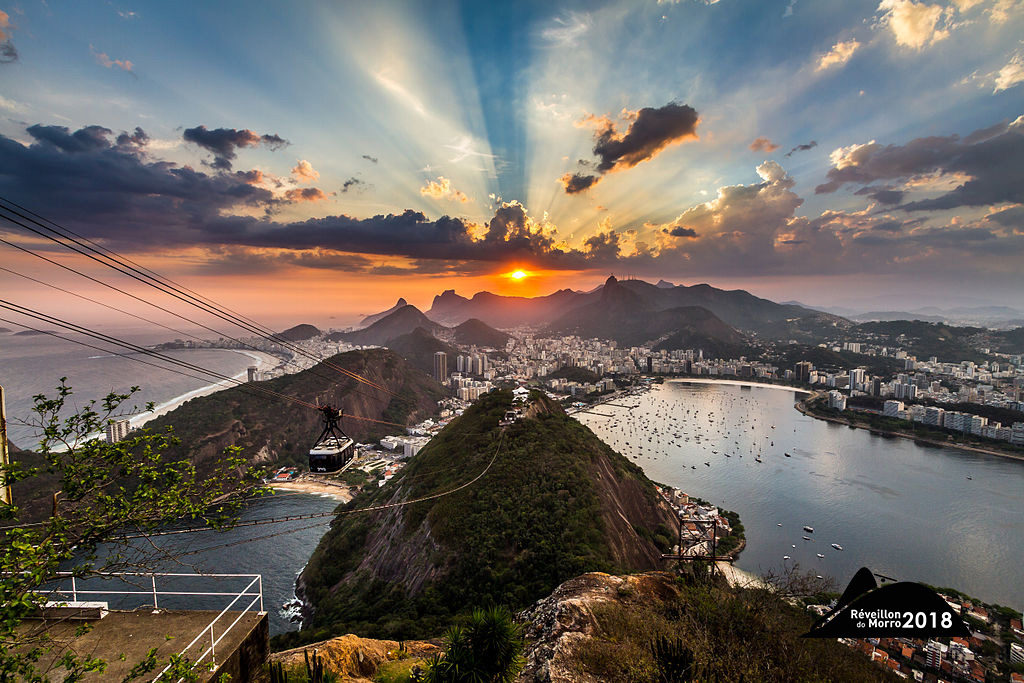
(277, 551)
(31, 365)
(903, 510)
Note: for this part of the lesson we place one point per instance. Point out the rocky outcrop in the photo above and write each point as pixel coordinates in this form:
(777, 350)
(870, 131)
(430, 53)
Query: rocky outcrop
(557, 624)
(353, 659)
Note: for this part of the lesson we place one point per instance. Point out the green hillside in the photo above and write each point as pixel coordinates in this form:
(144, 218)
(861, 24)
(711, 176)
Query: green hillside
(555, 503)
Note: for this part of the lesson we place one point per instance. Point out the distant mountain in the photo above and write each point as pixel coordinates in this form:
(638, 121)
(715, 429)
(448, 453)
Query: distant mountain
(4, 330)
(738, 308)
(506, 312)
(881, 316)
(402, 321)
(300, 333)
(419, 346)
(476, 332)
(371, 319)
(664, 284)
(626, 316)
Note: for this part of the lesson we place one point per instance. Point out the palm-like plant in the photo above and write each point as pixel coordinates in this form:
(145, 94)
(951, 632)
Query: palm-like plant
(489, 649)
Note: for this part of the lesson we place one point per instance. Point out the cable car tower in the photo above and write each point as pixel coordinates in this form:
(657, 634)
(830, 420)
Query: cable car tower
(333, 449)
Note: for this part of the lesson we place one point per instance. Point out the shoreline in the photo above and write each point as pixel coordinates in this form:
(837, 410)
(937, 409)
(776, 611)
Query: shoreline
(802, 407)
(313, 487)
(264, 361)
(737, 382)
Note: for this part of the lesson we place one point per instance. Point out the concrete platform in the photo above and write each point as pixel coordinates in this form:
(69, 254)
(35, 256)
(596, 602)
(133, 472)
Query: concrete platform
(242, 653)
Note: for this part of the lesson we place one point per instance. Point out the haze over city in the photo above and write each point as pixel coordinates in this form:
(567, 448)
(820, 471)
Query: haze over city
(295, 159)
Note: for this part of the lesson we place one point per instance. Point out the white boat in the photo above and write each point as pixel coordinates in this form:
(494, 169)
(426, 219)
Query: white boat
(821, 556)
(785, 557)
(809, 529)
(837, 546)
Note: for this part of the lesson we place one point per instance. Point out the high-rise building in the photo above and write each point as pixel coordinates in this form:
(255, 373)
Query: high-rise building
(856, 379)
(254, 373)
(117, 430)
(440, 366)
(802, 371)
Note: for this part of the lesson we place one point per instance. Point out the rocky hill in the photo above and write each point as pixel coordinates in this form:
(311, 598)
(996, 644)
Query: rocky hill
(551, 501)
(419, 346)
(371, 319)
(272, 431)
(476, 332)
(402, 321)
(300, 333)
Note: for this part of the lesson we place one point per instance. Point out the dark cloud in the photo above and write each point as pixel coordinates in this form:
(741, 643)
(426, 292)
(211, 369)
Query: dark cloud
(604, 246)
(576, 182)
(989, 159)
(8, 53)
(82, 140)
(803, 148)
(680, 231)
(371, 159)
(138, 137)
(882, 195)
(353, 183)
(223, 143)
(650, 131)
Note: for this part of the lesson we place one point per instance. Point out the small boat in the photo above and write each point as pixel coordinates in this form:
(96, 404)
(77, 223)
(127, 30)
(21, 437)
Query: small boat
(837, 546)
(970, 477)
(787, 455)
(807, 538)
(794, 545)
(821, 556)
(708, 464)
(809, 529)
(785, 557)
(778, 524)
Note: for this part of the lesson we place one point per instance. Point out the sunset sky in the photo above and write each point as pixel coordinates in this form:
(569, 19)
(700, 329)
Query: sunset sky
(315, 159)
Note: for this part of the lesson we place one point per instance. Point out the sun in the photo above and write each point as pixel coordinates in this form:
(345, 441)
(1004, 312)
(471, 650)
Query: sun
(518, 274)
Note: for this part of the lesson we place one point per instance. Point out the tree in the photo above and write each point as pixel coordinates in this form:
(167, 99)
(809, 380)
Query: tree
(489, 649)
(103, 493)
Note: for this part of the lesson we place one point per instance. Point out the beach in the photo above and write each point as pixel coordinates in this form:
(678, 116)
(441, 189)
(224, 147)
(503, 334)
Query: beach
(264, 361)
(306, 484)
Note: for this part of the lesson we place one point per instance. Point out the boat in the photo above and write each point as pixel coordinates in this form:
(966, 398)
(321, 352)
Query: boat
(837, 546)
(779, 524)
(787, 455)
(809, 529)
(785, 557)
(807, 538)
(821, 556)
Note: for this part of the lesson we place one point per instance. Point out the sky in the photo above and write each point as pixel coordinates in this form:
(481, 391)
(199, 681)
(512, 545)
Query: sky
(323, 159)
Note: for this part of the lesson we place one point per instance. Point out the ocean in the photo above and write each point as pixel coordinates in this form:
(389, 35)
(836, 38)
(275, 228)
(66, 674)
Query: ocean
(31, 365)
(936, 515)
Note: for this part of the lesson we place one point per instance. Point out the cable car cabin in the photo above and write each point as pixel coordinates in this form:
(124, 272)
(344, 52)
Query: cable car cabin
(331, 453)
(333, 449)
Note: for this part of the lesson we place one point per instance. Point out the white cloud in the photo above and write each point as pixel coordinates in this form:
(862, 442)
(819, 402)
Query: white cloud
(568, 29)
(12, 105)
(840, 54)
(914, 24)
(1010, 75)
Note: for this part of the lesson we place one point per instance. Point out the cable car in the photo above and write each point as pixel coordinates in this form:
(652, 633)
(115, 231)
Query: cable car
(334, 449)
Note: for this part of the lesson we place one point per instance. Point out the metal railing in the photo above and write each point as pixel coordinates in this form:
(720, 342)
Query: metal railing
(209, 634)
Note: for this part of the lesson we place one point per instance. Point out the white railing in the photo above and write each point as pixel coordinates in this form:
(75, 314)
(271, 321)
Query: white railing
(209, 632)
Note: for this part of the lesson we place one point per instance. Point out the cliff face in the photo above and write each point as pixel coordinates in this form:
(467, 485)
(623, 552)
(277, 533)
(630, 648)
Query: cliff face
(552, 501)
(271, 430)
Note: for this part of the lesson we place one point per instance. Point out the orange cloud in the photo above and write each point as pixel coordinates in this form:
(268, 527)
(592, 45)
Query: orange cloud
(304, 172)
(442, 189)
(103, 60)
(305, 194)
(763, 145)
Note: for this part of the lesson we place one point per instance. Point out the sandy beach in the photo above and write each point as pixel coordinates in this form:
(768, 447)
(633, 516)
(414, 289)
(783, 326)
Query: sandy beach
(264, 361)
(314, 487)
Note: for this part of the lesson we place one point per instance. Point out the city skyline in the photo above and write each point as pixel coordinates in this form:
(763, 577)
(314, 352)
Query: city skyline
(296, 159)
